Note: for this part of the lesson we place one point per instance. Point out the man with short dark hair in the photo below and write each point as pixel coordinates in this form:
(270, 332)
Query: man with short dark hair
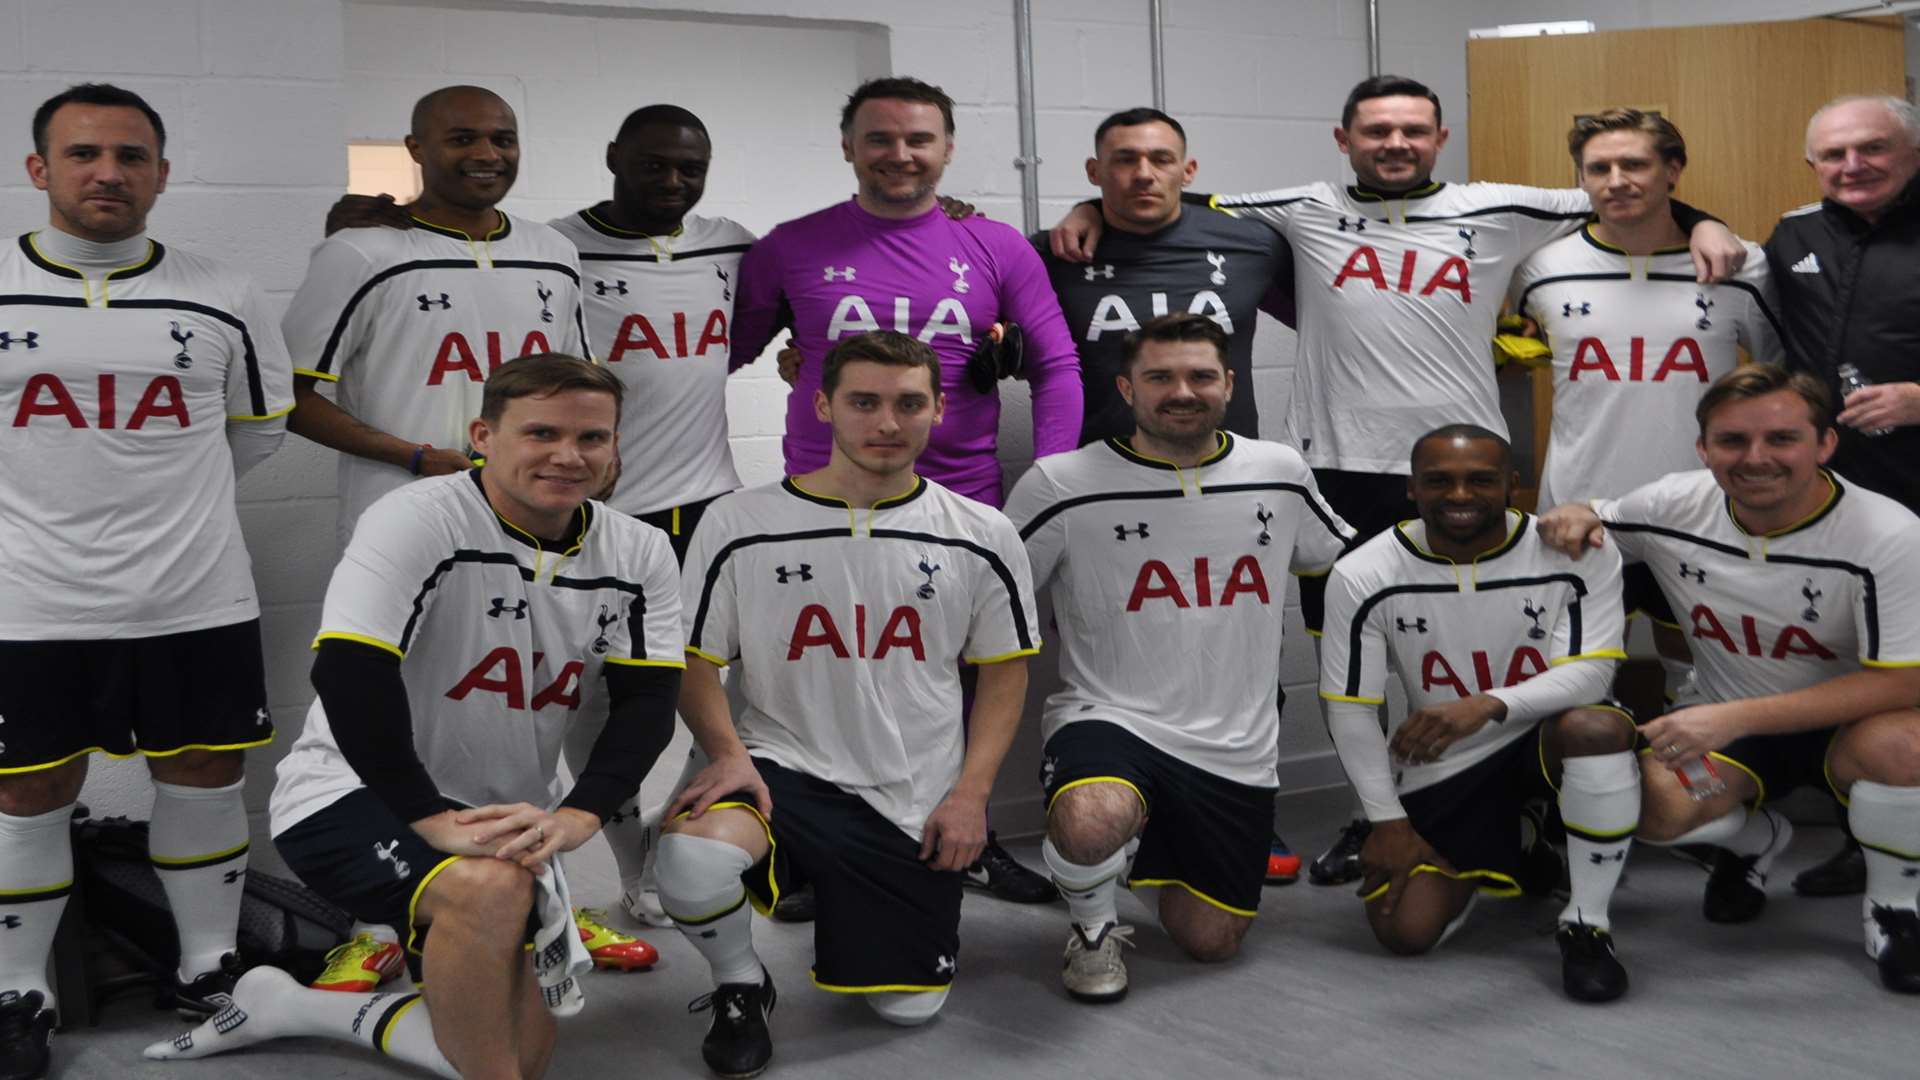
(462, 626)
(138, 381)
(410, 323)
(1802, 600)
(1399, 280)
(1506, 668)
(848, 595)
(891, 258)
(1160, 771)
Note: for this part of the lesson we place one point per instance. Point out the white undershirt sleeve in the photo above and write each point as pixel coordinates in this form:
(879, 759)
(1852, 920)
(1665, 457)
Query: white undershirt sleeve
(1565, 686)
(1355, 728)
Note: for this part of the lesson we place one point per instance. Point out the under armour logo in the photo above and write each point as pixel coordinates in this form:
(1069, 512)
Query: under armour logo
(1047, 767)
(1121, 532)
(1568, 311)
(1813, 596)
(1261, 512)
(1468, 235)
(828, 273)
(1905, 871)
(500, 608)
(1534, 613)
(1690, 572)
(31, 339)
(960, 274)
(1418, 626)
(260, 716)
(804, 573)
(1358, 224)
(1219, 275)
(385, 853)
(232, 876)
(11, 922)
(604, 619)
(1600, 858)
(540, 289)
(726, 283)
(943, 965)
(182, 359)
(602, 288)
(925, 592)
(1105, 271)
(427, 304)
(1705, 305)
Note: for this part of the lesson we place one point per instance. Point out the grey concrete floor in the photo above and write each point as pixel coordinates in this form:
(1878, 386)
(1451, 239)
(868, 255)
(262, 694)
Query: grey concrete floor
(1792, 995)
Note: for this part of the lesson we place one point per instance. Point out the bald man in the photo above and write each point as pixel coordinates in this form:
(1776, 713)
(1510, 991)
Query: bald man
(406, 327)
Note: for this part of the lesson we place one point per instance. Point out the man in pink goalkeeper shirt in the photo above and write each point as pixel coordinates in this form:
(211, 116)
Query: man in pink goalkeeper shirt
(890, 259)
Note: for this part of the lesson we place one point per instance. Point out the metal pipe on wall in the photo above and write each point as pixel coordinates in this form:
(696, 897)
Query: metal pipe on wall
(1373, 38)
(1029, 160)
(1157, 45)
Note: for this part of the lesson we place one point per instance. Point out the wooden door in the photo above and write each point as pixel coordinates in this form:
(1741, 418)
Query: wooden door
(1740, 93)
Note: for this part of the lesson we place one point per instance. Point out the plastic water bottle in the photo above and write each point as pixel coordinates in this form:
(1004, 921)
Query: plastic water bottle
(1701, 778)
(1850, 381)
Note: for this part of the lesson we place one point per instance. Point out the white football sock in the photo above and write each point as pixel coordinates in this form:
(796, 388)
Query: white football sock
(198, 843)
(1600, 805)
(1089, 889)
(36, 874)
(701, 891)
(1716, 832)
(1886, 821)
(268, 1004)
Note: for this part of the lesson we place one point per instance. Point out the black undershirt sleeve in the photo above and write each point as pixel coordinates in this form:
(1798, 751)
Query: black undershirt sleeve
(366, 703)
(639, 727)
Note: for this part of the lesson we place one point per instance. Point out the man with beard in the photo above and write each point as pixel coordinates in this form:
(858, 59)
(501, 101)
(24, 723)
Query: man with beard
(1506, 648)
(1399, 280)
(891, 258)
(1179, 532)
(1802, 599)
(409, 324)
(845, 594)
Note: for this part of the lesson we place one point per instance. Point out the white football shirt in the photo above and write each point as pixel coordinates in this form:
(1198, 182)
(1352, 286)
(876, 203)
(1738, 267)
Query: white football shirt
(1777, 612)
(1168, 586)
(1635, 342)
(409, 323)
(849, 627)
(1397, 300)
(1452, 631)
(661, 308)
(116, 499)
(499, 636)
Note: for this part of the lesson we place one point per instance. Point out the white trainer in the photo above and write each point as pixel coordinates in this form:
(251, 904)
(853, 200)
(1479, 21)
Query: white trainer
(1093, 970)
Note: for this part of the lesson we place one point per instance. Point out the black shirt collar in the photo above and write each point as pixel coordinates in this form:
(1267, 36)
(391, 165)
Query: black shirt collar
(1123, 445)
(1367, 194)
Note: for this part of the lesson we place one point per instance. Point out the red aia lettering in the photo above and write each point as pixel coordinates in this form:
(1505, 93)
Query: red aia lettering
(1525, 663)
(1364, 265)
(46, 395)
(456, 356)
(1591, 355)
(1156, 581)
(637, 333)
(563, 691)
(815, 628)
(1790, 641)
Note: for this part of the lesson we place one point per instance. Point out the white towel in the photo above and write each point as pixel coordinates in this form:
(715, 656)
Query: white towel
(559, 958)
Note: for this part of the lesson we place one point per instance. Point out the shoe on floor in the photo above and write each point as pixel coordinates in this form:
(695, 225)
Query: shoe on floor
(1844, 873)
(612, 950)
(1589, 971)
(738, 1043)
(999, 873)
(1893, 940)
(1283, 866)
(797, 906)
(360, 965)
(208, 993)
(1737, 888)
(1094, 970)
(1340, 864)
(26, 1035)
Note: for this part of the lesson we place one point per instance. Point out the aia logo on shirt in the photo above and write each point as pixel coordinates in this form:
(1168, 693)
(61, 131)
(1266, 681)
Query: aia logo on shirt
(1156, 581)
(1789, 640)
(1450, 274)
(1682, 357)
(456, 356)
(48, 400)
(1437, 671)
(637, 333)
(816, 628)
(501, 673)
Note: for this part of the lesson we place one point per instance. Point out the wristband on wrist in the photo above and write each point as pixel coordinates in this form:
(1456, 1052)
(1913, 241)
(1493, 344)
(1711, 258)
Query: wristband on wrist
(413, 464)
